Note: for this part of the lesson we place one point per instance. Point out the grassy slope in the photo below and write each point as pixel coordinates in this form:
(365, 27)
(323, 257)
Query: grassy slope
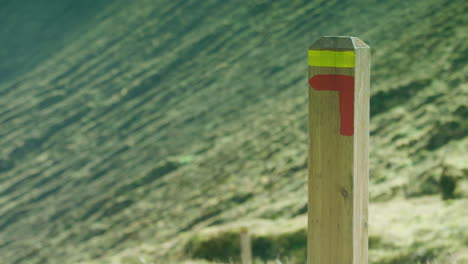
(157, 119)
(31, 30)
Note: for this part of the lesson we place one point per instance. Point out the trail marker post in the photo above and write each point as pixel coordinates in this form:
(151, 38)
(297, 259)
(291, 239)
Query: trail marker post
(246, 247)
(339, 69)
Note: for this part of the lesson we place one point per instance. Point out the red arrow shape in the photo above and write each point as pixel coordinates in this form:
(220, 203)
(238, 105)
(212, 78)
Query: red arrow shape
(344, 84)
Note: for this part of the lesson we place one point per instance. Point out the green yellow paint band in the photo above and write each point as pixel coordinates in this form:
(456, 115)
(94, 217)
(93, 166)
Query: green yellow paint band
(328, 58)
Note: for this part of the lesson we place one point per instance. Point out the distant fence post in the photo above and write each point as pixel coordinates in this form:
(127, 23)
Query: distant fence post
(339, 69)
(246, 247)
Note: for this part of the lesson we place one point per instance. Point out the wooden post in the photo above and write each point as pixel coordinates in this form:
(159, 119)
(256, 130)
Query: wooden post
(246, 247)
(339, 69)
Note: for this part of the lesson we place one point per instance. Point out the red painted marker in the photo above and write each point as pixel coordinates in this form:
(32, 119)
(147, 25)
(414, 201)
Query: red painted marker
(344, 84)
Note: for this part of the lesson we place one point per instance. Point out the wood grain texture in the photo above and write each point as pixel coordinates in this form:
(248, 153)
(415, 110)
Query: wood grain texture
(361, 151)
(338, 165)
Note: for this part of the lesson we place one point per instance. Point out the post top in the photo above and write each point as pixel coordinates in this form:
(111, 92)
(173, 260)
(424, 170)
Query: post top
(338, 43)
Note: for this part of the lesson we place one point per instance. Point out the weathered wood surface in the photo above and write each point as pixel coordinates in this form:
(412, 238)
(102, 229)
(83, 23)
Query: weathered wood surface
(246, 246)
(339, 69)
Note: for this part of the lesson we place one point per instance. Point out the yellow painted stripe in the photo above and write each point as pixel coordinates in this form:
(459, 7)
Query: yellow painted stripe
(328, 58)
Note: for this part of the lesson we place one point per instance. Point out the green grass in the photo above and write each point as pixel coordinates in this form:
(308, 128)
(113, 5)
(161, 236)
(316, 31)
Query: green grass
(130, 127)
(423, 230)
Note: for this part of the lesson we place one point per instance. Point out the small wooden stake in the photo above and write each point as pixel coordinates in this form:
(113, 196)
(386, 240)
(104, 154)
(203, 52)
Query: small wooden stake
(246, 247)
(339, 69)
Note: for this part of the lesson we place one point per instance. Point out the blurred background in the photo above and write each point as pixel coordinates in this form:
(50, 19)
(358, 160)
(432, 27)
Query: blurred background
(150, 131)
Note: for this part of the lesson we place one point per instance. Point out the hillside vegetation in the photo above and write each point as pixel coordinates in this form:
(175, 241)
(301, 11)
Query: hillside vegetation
(153, 130)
